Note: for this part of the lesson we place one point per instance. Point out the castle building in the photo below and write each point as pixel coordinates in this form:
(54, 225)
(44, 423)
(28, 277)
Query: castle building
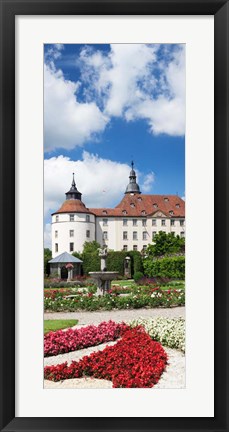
(131, 225)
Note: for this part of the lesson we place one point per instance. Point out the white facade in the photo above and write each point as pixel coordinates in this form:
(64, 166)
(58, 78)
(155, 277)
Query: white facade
(118, 233)
(70, 231)
(131, 225)
(135, 233)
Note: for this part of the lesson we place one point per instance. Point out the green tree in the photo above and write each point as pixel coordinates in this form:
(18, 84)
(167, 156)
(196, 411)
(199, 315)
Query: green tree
(165, 244)
(47, 258)
(90, 247)
(90, 257)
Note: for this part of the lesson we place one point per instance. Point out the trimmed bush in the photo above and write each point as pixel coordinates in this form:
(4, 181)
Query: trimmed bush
(137, 276)
(169, 267)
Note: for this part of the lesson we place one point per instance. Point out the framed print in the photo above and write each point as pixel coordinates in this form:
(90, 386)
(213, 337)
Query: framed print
(114, 120)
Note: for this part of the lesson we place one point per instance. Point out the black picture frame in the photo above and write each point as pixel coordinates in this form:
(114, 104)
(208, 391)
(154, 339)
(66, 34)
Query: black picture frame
(9, 9)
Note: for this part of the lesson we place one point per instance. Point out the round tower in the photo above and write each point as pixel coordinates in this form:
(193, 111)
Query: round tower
(72, 225)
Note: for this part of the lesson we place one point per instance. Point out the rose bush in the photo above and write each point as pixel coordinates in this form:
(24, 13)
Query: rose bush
(146, 296)
(60, 341)
(136, 361)
(168, 331)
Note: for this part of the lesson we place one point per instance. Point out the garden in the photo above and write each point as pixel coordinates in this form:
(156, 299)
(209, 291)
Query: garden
(136, 360)
(144, 294)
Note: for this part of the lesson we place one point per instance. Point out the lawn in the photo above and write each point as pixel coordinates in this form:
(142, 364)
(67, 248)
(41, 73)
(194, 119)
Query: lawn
(53, 325)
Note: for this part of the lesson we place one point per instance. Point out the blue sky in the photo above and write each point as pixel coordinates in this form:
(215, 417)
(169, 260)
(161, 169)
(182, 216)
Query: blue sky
(105, 105)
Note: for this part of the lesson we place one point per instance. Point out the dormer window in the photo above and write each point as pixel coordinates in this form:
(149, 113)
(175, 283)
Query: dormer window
(143, 212)
(124, 212)
(166, 199)
(171, 212)
(104, 212)
(132, 205)
(139, 199)
(155, 205)
(177, 205)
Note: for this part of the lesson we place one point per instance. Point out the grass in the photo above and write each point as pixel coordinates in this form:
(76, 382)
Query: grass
(123, 282)
(53, 325)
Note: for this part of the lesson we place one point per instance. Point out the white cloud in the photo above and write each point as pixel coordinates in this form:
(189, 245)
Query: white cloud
(135, 84)
(148, 182)
(67, 123)
(101, 181)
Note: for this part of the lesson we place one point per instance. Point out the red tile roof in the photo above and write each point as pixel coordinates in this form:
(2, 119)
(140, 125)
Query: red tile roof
(73, 206)
(145, 205)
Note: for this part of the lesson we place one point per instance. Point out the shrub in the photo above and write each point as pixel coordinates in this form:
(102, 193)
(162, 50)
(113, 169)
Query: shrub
(173, 267)
(137, 276)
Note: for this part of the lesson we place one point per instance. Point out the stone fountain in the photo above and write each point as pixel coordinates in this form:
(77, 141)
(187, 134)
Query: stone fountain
(103, 278)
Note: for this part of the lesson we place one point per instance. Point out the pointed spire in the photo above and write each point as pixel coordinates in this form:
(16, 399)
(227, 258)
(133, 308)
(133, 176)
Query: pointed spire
(73, 193)
(132, 187)
(73, 181)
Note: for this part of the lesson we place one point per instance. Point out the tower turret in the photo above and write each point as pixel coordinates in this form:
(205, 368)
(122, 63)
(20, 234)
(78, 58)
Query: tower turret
(132, 187)
(73, 193)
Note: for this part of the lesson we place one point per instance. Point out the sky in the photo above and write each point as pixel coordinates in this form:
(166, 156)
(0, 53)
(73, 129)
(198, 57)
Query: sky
(104, 106)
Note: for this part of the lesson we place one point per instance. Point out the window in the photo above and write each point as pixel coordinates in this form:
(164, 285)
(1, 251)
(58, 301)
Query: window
(143, 222)
(182, 234)
(124, 212)
(181, 222)
(56, 234)
(87, 233)
(143, 212)
(139, 199)
(172, 222)
(57, 218)
(87, 218)
(162, 222)
(144, 247)
(124, 235)
(135, 247)
(132, 205)
(135, 235)
(173, 233)
(71, 217)
(125, 248)
(153, 234)
(56, 247)
(71, 233)
(105, 235)
(144, 235)
(71, 247)
(171, 212)
(124, 222)
(154, 222)
(177, 205)
(105, 222)
(155, 205)
(166, 199)
(104, 212)
(135, 222)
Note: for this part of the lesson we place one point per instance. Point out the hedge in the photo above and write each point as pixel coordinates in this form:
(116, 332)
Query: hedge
(115, 261)
(170, 267)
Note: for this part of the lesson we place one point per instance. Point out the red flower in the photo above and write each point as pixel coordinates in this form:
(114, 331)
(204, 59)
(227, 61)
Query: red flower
(135, 361)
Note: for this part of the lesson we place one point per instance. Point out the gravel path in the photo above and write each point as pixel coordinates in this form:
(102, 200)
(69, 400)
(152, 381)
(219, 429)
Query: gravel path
(173, 376)
(117, 315)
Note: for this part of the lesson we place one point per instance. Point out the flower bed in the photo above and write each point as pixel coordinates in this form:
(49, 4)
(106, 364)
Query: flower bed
(168, 331)
(60, 342)
(135, 361)
(149, 296)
